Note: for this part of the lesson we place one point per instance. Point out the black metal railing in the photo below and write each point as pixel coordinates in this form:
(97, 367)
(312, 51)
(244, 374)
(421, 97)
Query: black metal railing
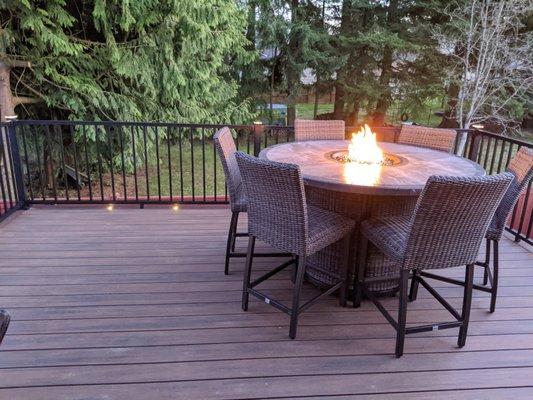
(12, 189)
(123, 162)
(140, 162)
(494, 152)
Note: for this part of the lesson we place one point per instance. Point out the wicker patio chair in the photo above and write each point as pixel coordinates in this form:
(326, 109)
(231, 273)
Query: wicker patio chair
(278, 215)
(4, 323)
(432, 138)
(226, 149)
(307, 129)
(450, 220)
(521, 166)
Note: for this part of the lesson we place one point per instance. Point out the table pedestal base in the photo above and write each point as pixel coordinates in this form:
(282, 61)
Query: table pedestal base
(324, 265)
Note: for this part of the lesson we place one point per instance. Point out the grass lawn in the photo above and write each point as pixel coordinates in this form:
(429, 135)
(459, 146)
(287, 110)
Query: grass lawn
(305, 111)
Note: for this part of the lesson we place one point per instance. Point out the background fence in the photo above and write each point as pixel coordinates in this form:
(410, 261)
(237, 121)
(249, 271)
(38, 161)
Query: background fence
(79, 162)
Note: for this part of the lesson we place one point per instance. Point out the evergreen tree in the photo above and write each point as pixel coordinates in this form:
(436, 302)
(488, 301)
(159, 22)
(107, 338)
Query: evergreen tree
(171, 60)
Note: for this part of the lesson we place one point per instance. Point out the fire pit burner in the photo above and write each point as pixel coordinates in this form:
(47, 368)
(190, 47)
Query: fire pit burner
(389, 160)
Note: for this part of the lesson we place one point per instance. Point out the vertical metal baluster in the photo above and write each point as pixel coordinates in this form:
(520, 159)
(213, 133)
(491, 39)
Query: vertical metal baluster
(121, 141)
(10, 170)
(509, 155)
(11, 181)
(134, 150)
(99, 157)
(180, 132)
(515, 208)
(502, 150)
(493, 157)
(237, 147)
(146, 163)
(76, 168)
(51, 159)
(480, 151)
(3, 149)
(157, 159)
(487, 151)
(530, 224)
(38, 153)
(192, 161)
(75, 162)
(169, 134)
(58, 131)
(248, 142)
(26, 158)
(111, 167)
(214, 166)
(87, 165)
(203, 164)
(524, 209)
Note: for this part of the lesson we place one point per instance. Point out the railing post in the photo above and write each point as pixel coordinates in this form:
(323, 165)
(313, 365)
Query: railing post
(17, 164)
(475, 142)
(258, 131)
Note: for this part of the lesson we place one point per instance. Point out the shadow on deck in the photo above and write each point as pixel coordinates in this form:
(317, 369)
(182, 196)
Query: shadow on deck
(133, 304)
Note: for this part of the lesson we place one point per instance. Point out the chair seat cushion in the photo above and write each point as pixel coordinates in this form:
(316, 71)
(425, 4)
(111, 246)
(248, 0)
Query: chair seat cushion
(389, 234)
(325, 227)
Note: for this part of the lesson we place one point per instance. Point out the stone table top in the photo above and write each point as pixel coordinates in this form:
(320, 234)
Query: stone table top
(417, 164)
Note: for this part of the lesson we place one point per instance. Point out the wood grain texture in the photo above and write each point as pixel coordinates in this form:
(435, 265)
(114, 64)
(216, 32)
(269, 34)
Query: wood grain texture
(133, 304)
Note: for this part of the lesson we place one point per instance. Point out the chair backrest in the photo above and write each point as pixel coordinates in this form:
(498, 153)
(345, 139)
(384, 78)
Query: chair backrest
(432, 138)
(386, 133)
(521, 166)
(277, 212)
(451, 218)
(306, 129)
(226, 150)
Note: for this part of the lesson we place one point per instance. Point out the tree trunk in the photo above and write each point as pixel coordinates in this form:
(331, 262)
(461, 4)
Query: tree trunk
(317, 93)
(383, 102)
(449, 118)
(338, 105)
(353, 118)
(293, 77)
(7, 106)
(250, 35)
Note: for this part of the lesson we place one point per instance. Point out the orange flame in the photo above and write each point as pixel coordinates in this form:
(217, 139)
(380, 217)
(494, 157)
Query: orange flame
(363, 147)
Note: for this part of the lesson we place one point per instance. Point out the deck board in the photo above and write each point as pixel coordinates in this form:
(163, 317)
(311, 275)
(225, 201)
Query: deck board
(133, 304)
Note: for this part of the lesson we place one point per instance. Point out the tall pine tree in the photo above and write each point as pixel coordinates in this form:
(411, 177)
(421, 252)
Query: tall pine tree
(171, 60)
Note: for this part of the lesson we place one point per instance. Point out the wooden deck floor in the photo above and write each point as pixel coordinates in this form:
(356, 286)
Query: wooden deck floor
(133, 304)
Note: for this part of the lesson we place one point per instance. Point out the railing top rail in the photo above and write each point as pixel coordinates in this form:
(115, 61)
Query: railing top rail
(501, 137)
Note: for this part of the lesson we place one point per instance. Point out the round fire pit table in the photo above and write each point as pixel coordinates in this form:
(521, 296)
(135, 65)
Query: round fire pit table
(361, 191)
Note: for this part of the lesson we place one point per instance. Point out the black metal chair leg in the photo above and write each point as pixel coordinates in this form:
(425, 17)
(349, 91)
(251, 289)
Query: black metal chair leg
(247, 272)
(231, 238)
(413, 291)
(4, 323)
(402, 313)
(296, 297)
(345, 275)
(467, 303)
(487, 263)
(294, 270)
(494, 291)
(360, 272)
(234, 239)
